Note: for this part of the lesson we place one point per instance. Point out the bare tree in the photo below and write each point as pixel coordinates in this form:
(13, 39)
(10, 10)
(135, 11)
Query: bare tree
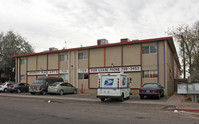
(187, 38)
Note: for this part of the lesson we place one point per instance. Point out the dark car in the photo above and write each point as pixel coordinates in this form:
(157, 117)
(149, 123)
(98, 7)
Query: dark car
(19, 87)
(151, 90)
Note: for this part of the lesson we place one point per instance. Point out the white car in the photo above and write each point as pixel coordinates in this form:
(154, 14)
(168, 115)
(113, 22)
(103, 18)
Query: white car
(4, 86)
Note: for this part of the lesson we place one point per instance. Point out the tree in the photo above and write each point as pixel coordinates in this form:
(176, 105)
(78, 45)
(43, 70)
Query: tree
(187, 37)
(12, 44)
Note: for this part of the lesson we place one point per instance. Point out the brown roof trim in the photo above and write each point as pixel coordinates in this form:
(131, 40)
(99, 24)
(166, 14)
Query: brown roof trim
(96, 46)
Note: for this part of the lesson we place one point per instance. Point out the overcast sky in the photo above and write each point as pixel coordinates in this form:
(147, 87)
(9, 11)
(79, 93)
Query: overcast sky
(49, 23)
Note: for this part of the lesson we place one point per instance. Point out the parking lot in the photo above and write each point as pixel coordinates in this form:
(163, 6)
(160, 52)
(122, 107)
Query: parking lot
(86, 97)
(84, 108)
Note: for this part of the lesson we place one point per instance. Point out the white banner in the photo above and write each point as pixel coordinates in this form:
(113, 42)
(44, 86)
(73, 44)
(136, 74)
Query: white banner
(115, 69)
(82, 70)
(63, 71)
(43, 72)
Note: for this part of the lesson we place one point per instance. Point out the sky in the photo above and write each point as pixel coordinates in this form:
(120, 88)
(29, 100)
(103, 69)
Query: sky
(51, 23)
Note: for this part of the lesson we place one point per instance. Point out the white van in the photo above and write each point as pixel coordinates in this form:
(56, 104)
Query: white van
(114, 86)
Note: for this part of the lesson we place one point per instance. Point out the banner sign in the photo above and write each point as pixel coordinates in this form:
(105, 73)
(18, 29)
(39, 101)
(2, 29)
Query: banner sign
(185, 88)
(63, 71)
(82, 70)
(115, 69)
(47, 72)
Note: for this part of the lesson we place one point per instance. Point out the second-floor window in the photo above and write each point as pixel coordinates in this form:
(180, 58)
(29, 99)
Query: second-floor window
(149, 49)
(83, 55)
(63, 57)
(23, 61)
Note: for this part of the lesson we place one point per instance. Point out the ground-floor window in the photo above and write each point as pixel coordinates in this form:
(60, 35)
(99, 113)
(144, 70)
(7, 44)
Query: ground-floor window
(23, 77)
(149, 74)
(64, 76)
(82, 75)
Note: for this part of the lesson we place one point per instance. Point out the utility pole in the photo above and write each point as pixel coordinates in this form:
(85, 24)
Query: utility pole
(184, 66)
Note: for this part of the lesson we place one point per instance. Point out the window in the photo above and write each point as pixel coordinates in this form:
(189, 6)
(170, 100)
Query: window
(21, 84)
(149, 49)
(64, 76)
(63, 57)
(83, 76)
(23, 77)
(83, 55)
(23, 61)
(150, 74)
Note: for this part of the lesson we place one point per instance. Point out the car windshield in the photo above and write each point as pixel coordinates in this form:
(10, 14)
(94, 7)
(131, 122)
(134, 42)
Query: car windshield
(55, 84)
(150, 86)
(39, 81)
(3, 83)
(15, 85)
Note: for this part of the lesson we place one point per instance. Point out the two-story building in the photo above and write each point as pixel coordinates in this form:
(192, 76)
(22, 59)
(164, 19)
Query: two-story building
(151, 60)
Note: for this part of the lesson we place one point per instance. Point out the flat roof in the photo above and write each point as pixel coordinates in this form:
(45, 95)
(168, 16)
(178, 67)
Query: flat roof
(169, 39)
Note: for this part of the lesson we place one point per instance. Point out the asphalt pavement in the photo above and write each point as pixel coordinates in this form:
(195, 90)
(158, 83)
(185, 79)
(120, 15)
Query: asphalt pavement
(85, 109)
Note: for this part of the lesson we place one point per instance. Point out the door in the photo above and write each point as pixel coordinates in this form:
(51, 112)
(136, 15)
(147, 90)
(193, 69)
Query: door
(70, 88)
(63, 87)
(22, 87)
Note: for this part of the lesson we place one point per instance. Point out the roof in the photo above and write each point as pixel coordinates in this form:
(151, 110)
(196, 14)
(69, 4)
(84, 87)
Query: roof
(169, 39)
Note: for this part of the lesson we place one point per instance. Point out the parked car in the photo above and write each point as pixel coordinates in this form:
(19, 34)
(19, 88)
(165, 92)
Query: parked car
(40, 85)
(4, 86)
(151, 90)
(61, 88)
(19, 87)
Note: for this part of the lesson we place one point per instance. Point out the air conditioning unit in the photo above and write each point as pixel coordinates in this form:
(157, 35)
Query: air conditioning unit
(52, 49)
(102, 41)
(124, 40)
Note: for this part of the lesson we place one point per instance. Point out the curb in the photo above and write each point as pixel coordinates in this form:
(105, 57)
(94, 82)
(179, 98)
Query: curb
(188, 113)
(193, 110)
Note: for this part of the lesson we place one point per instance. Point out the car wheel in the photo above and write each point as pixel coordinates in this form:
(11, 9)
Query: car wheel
(18, 91)
(159, 96)
(141, 97)
(162, 94)
(74, 91)
(5, 90)
(128, 97)
(122, 98)
(32, 93)
(61, 92)
(43, 92)
(102, 99)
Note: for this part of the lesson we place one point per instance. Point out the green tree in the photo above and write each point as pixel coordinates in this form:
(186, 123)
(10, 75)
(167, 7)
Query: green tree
(12, 44)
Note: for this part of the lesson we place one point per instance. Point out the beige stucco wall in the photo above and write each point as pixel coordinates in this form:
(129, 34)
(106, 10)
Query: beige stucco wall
(113, 55)
(42, 62)
(31, 63)
(93, 81)
(53, 61)
(161, 62)
(131, 54)
(83, 83)
(136, 79)
(23, 66)
(83, 63)
(97, 57)
(149, 61)
(64, 64)
(170, 70)
(31, 79)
